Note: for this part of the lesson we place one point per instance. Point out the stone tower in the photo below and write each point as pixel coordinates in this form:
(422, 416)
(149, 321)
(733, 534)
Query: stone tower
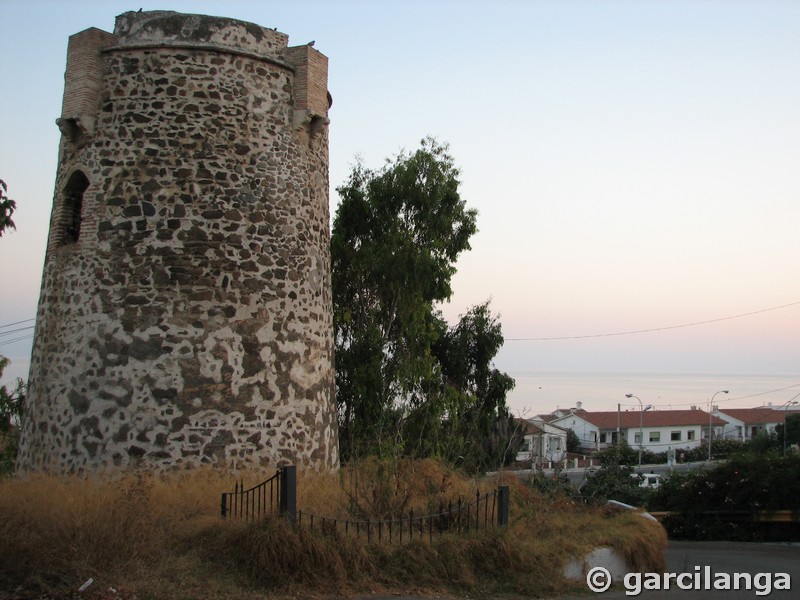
(185, 311)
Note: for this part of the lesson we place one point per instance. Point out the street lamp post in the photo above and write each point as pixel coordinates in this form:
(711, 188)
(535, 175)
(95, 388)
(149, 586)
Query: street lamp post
(710, 406)
(641, 421)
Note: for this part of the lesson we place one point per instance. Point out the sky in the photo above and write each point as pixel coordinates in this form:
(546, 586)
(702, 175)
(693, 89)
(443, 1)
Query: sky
(634, 165)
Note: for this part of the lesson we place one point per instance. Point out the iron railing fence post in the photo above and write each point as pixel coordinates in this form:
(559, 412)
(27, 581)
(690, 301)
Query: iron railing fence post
(503, 505)
(288, 491)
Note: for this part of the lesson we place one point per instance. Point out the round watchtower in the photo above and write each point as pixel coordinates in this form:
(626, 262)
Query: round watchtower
(185, 311)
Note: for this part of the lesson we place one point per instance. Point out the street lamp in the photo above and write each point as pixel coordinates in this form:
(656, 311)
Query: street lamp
(787, 405)
(710, 405)
(641, 422)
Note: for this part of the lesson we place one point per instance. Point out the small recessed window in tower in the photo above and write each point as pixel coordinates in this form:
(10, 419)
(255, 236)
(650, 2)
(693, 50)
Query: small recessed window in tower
(72, 207)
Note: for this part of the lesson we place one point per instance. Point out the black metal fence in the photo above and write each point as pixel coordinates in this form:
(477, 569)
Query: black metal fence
(276, 494)
(487, 510)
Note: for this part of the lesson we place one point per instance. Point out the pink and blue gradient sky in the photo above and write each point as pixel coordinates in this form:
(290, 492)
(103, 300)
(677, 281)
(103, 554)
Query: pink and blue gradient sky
(634, 164)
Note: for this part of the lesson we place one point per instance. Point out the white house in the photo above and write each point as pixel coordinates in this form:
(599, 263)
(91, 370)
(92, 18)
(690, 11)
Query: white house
(543, 443)
(587, 432)
(656, 431)
(744, 424)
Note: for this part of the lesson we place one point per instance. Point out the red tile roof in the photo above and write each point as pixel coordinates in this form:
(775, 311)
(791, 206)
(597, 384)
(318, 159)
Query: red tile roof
(755, 415)
(650, 418)
(531, 426)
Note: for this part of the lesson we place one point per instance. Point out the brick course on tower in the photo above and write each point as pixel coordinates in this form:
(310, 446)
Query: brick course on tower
(185, 311)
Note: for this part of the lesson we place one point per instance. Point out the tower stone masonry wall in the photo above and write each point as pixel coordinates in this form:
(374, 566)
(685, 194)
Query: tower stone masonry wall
(188, 321)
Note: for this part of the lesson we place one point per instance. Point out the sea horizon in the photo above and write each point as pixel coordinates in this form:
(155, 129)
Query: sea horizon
(539, 392)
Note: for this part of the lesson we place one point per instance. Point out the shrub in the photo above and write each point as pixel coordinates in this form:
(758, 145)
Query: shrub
(654, 458)
(619, 454)
(614, 482)
(720, 448)
(747, 482)
(551, 486)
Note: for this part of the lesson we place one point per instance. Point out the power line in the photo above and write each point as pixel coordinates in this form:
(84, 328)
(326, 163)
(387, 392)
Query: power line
(17, 323)
(635, 407)
(579, 337)
(618, 333)
(17, 339)
(10, 331)
(788, 387)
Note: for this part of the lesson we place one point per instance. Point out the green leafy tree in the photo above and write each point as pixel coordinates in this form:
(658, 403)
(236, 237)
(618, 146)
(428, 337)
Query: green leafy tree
(7, 208)
(474, 414)
(10, 419)
(573, 442)
(397, 234)
(790, 429)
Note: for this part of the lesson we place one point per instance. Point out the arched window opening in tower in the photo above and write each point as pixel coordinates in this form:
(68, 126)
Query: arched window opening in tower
(73, 206)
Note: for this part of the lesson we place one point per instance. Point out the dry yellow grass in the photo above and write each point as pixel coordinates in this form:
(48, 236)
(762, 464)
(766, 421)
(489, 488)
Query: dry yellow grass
(150, 536)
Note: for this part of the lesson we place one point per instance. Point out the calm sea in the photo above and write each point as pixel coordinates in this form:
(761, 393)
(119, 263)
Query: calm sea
(540, 392)
(537, 393)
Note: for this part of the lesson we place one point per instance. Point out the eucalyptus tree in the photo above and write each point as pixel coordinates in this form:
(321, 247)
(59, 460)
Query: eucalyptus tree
(397, 234)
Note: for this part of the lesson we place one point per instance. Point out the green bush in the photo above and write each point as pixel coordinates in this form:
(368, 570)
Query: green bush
(719, 449)
(619, 454)
(747, 482)
(614, 482)
(654, 458)
(765, 443)
(551, 486)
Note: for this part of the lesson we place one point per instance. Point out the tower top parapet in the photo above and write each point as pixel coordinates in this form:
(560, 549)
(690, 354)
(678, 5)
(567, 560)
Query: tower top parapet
(163, 27)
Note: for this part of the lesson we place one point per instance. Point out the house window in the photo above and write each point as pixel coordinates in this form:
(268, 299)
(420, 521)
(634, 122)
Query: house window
(655, 436)
(73, 207)
(637, 438)
(602, 438)
(675, 436)
(690, 435)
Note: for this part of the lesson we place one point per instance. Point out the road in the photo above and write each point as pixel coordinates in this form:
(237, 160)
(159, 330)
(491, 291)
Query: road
(577, 476)
(683, 557)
